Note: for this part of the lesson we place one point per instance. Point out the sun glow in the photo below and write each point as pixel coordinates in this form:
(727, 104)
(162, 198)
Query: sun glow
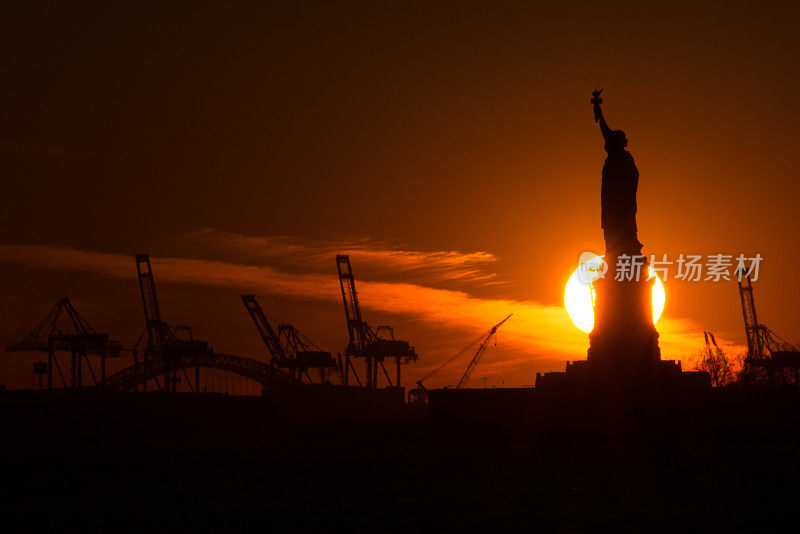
(579, 296)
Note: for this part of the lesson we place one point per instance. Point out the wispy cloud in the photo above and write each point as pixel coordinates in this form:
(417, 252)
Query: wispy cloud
(374, 258)
(537, 331)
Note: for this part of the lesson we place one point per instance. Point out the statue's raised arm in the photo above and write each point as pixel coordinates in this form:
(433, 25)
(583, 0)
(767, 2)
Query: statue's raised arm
(615, 139)
(598, 113)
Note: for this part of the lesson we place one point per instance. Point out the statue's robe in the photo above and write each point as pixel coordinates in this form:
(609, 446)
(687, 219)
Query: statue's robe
(618, 203)
(624, 335)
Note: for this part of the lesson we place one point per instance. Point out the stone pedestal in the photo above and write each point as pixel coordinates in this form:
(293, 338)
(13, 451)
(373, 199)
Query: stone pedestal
(624, 337)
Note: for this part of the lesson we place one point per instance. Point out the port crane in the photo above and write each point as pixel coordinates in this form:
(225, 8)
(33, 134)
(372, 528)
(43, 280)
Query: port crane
(288, 348)
(419, 394)
(373, 346)
(64, 329)
(767, 352)
(165, 348)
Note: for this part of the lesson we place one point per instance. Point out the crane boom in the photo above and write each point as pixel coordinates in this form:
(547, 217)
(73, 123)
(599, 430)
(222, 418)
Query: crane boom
(265, 329)
(158, 332)
(479, 353)
(359, 332)
(289, 349)
(444, 364)
(712, 349)
(752, 329)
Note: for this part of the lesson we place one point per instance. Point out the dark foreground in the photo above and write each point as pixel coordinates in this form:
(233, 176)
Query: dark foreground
(227, 466)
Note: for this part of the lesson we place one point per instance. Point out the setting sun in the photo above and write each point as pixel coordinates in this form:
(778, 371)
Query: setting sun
(579, 296)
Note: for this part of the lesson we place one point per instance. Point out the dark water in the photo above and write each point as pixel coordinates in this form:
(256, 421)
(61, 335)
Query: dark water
(404, 476)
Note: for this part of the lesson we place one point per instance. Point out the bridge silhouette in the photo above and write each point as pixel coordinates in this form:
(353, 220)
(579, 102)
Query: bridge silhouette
(138, 374)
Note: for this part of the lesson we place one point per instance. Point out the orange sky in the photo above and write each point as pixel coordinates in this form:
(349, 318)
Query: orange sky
(449, 149)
